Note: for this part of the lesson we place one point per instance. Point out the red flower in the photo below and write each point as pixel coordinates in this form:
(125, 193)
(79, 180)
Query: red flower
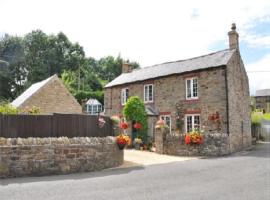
(187, 139)
(137, 125)
(123, 125)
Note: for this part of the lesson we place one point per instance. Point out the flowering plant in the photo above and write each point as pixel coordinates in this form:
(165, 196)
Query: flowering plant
(123, 139)
(137, 125)
(194, 137)
(115, 119)
(138, 141)
(160, 124)
(123, 125)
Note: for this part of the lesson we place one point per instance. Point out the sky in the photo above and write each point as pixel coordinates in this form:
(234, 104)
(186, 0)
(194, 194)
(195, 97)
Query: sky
(151, 31)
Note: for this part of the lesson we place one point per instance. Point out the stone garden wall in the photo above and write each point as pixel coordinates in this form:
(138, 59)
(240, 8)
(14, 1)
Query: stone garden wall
(214, 144)
(46, 156)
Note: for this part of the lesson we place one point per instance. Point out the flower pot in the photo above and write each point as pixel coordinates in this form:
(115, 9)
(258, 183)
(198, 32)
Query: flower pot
(121, 146)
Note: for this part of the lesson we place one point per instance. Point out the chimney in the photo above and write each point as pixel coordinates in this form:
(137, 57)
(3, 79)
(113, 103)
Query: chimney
(126, 67)
(233, 38)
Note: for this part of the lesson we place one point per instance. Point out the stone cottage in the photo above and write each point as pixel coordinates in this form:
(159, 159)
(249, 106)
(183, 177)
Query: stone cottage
(50, 96)
(262, 100)
(209, 92)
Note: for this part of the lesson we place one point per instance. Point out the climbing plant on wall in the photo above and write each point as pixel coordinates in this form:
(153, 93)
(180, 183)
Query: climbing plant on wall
(134, 110)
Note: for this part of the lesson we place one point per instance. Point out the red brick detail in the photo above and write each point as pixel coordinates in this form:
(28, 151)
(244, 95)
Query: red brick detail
(192, 101)
(197, 111)
(164, 113)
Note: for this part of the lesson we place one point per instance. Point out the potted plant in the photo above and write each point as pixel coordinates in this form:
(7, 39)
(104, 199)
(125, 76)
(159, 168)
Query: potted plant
(194, 137)
(137, 143)
(122, 140)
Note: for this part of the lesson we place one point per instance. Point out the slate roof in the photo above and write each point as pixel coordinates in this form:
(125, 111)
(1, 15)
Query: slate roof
(30, 91)
(262, 93)
(215, 59)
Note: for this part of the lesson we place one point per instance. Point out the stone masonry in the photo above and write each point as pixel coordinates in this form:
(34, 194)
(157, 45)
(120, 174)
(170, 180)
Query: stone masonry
(170, 98)
(53, 98)
(223, 101)
(214, 144)
(46, 156)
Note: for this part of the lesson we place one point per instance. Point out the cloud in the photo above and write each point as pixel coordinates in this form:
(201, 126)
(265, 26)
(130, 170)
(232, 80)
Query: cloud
(149, 32)
(259, 73)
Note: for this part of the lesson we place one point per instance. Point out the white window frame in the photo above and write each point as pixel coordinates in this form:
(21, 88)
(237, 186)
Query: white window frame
(124, 96)
(191, 88)
(192, 121)
(146, 97)
(163, 117)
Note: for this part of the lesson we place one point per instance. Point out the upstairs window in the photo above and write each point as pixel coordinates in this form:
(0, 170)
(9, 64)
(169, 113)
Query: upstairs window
(192, 88)
(124, 95)
(148, 93)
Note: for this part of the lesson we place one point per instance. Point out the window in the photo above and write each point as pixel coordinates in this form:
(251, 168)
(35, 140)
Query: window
(192, 122)
(124, 96)
(148, 93)
(94, 109)
(167, 119)
(192, 88)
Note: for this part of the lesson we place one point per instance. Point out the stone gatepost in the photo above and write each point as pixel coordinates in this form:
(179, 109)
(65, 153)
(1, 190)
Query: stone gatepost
(160, 136)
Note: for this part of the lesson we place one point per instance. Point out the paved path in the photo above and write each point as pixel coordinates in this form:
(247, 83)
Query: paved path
(137, 158)
(243, 176)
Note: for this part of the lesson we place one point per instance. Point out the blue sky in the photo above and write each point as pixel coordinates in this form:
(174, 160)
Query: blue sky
(152, 31)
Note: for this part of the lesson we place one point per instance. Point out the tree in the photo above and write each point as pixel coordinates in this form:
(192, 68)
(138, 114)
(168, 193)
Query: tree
(13, 71)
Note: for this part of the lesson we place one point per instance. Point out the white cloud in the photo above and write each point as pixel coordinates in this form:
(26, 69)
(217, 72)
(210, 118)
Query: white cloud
(259, 73)
(149, 32)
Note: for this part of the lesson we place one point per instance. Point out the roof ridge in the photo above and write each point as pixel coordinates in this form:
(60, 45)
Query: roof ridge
(46, 81)
(186, 59)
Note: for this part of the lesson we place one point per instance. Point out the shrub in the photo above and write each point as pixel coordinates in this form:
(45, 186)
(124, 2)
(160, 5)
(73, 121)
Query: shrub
(134, 110)
(6, 108)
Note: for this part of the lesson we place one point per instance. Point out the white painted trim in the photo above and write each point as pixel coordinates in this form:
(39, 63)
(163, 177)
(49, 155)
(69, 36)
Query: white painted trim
(192, 119)
(147, 85)
(191, 88)
(124, 90)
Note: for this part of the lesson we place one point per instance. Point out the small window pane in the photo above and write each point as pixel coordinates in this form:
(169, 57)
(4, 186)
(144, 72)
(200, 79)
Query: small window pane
(188, 88)
(195, 87)
(189, 123)
(197, 122)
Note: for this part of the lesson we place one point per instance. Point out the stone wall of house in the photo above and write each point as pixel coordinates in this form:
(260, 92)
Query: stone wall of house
(46, 156)
(239, 104)
(170, 98)
(214, 144)
(53, 98)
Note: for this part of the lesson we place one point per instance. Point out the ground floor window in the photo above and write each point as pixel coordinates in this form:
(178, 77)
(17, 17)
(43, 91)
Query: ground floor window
(167, 119)
(192, 122)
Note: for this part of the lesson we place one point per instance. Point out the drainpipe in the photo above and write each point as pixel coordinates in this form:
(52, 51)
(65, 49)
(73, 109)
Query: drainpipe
(227, 100)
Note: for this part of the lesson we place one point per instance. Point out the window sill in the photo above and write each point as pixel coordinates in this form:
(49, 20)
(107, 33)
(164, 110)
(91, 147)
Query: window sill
(192, 100)
(149, 102)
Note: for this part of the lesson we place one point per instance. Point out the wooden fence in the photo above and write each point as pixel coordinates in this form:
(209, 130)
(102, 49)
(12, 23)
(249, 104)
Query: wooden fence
(56, 125)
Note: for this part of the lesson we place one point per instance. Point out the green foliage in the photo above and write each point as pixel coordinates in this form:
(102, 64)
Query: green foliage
(6, 108)
(266, 116)
(256, 118)
(134, 110)
(37, 56)
(84, 95)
